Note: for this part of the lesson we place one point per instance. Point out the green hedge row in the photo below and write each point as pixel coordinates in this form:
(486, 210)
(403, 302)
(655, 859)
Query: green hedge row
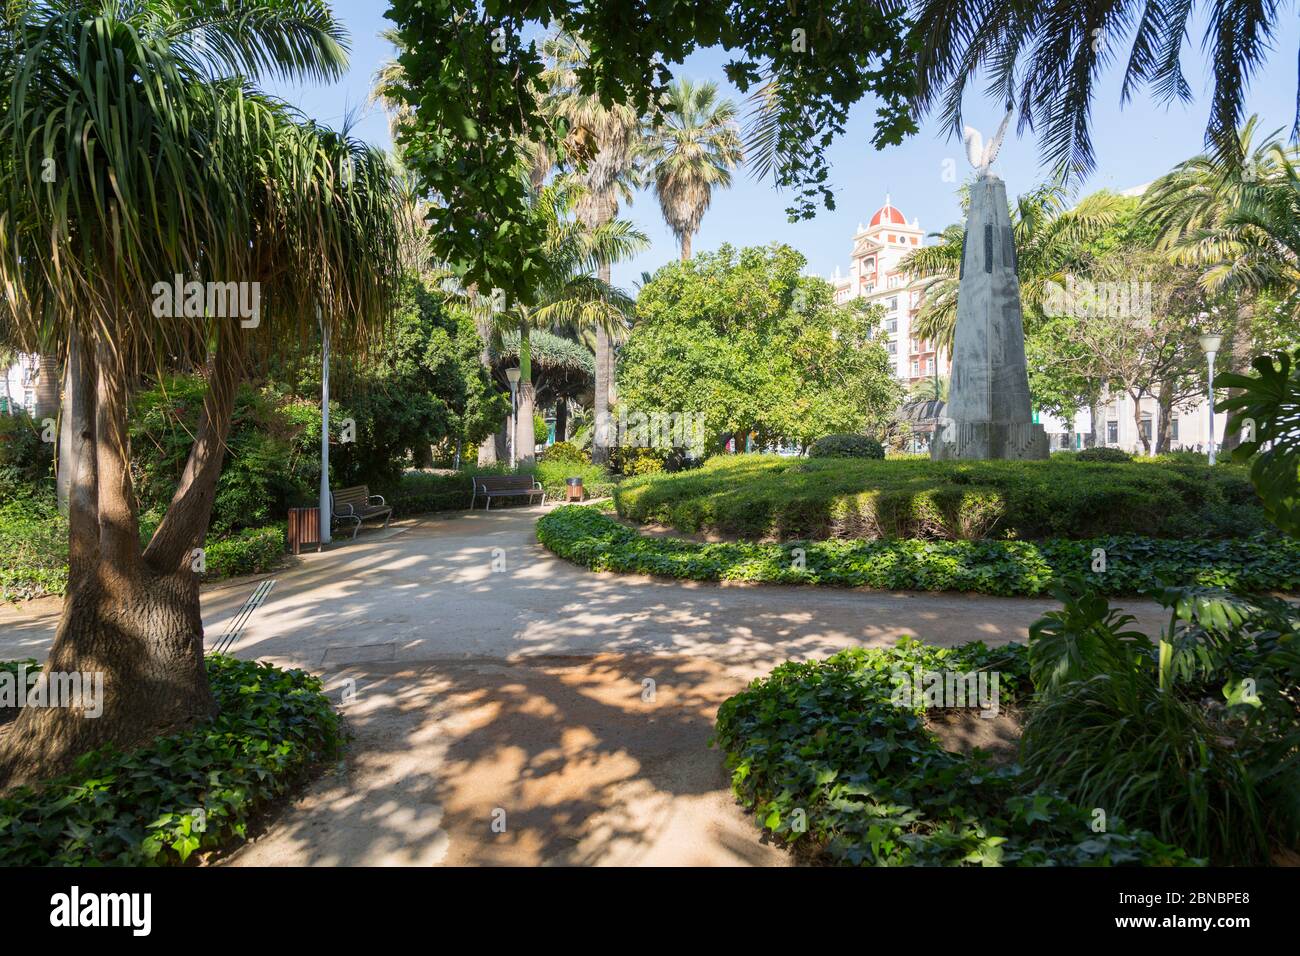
(770, 497)
(189, 792)
(251, 551)
(828, 759)
(1133, 564)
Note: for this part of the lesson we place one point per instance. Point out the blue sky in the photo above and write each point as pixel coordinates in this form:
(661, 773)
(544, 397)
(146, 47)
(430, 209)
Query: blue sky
(1133, 146)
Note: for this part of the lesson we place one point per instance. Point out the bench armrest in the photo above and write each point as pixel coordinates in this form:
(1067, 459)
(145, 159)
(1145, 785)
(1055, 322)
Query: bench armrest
(380, 498)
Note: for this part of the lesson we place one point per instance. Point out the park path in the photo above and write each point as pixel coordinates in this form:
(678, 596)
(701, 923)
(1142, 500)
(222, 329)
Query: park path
(509, 707)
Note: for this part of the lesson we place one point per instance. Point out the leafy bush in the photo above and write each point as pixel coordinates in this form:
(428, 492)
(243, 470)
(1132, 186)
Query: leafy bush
(23, 452)
(1104, 454)
(1133, 564)
(189, 792)
(828, 757)
(33, 548)
(846, 446)
(1119, 726)
(767, 496)
(640, 461)
(566, 451)
(597, 482)
(251, 551)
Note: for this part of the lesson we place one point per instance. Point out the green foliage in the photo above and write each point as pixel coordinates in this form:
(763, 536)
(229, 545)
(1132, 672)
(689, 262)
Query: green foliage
(143, 807)
(834, 740)
(269, 462)
(1104, 454)
(563, 451)
(1134, 564)
(250, 551)
(760, 496)
(33, 548)
(422, 492)
(1140, 734)
(846, 446)
(1267, 410)
(639, 461)
(743, 340)
(23, 455)
(473, 84)
(541, 431)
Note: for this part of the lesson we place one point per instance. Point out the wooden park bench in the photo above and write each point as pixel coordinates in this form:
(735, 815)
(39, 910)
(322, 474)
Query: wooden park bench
(505, 486)
(357, 505)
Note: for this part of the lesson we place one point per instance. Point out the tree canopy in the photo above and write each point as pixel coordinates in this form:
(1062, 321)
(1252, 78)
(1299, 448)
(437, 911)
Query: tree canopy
(741, 338)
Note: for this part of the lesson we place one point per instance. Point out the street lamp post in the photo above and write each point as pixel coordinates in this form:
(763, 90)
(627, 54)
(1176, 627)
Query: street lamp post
(512, 376)
(1210, 345)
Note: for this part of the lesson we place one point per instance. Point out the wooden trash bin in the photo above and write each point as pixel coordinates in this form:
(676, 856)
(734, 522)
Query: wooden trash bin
(304, 528)
(573, 489)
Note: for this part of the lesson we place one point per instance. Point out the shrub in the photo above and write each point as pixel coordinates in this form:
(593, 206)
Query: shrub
(1102, 453)
(1120, 726)
(767, 496)
(596, 481)
(251, 551)
(640, 461)
(140, 808)
(23, 452)
(846, 446)
(1133, 564)
(541, 431)
(566, 451)
(829, 757)
(33, 548)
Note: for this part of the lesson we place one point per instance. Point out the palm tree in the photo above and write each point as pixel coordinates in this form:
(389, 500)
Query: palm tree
(569, 290)
(1046, 57)
(1049, 235)
(167, 164)
(1236, 216)
(603, 143)
(691, 149)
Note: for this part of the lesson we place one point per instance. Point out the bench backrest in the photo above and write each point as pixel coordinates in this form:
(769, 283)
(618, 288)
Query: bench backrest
(503, 483)
(357, 497)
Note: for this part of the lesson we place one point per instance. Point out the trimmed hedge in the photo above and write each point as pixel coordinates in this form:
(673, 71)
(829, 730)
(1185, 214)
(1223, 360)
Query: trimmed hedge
(828, 759)
(846, 446)
(33, 549)
(768, 496)
(251, 551)
(1134, 564)
(185, 793)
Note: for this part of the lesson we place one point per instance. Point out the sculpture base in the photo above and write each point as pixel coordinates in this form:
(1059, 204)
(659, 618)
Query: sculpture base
(1018, 441)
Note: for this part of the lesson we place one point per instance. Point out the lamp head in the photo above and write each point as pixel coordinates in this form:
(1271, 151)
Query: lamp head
(1211, 343)
(512, 376)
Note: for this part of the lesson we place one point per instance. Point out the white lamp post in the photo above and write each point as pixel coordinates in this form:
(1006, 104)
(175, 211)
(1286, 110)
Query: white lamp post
(512, 376)
(1210, 345)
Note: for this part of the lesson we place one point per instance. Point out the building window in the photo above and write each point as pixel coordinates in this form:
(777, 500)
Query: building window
(893, 348)
(1146, 428)
(1112, 433)
(892, 325)
(892, 305)
(915, 370)
(1173, 428)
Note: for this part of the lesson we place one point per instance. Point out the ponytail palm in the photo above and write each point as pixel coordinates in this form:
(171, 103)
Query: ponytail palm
(132, 152)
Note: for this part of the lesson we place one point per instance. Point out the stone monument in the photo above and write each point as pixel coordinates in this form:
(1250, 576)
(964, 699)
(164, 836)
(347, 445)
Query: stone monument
(988, 413)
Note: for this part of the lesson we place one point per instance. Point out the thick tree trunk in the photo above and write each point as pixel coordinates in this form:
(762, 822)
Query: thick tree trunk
(422, 455)
(1164, 426)
(686, 247)
(1094, 425)
(1137, 422)
(64, 462)
(561, 419)
(603, 436)
(131, 620)
(47, 387)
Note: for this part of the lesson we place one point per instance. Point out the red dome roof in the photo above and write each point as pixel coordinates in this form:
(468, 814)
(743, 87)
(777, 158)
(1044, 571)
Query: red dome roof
(887, 213)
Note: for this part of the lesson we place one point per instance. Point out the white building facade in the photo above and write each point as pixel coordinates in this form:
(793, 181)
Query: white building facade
(18, 385)
(874, 275)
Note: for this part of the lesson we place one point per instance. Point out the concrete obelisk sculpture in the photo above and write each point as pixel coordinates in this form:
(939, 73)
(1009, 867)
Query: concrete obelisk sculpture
(988, 413)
